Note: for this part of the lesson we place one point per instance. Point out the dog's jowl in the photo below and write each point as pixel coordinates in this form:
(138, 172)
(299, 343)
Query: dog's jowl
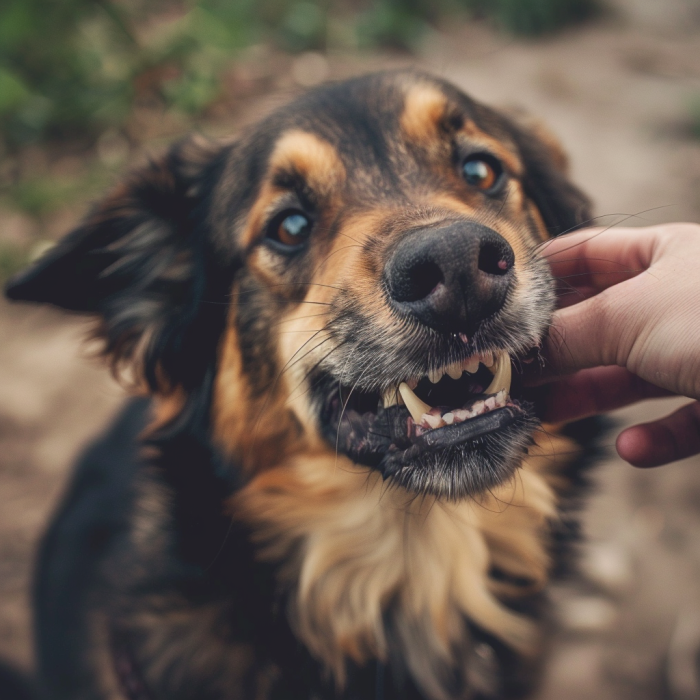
(334, 488)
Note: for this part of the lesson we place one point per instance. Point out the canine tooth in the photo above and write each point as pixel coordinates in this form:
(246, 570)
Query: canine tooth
(435, 376)
(432, 421)
(471, 365)
(455, 370)
(487, 359)
(449, 418)
(391, 398)
(461, 414)
(415, 406)
(501, 398)
(501, 375)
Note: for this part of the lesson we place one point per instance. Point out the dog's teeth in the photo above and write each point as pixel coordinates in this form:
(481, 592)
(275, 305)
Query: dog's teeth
(501, 398)
(455, 370)
(501, 374)
(487, 359)
(415, 406)
(461, 414)
(431, 421)
(449, 418)
(392, 398)
(471, 365)
(435, 376)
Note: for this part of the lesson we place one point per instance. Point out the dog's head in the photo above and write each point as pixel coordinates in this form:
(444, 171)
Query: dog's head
(352, 277)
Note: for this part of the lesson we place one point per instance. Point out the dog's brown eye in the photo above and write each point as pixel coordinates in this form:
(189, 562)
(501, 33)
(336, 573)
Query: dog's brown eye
(483, 172)
(291, 229)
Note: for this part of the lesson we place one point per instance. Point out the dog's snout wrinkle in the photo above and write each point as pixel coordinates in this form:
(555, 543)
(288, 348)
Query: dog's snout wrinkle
(451, 278)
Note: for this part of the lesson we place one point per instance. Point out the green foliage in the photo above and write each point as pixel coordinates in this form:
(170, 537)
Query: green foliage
(535, 17)
(57, 64)
(40, 195)
(13, 258)
(78, 66)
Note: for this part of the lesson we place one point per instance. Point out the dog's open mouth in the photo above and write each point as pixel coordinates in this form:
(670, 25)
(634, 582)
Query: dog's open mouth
(452, 432)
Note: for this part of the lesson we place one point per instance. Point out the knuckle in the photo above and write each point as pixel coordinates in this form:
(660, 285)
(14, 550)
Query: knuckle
(603, 322)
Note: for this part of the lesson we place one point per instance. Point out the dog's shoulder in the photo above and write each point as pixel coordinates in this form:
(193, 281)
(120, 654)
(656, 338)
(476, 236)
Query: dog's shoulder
(92, 515)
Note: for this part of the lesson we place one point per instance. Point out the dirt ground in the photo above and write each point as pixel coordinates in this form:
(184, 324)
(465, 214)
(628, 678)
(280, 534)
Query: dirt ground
(617, 93)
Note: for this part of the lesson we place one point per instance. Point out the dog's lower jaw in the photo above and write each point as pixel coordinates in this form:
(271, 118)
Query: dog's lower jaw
(450, 462)
(352, 550)
(465, 470)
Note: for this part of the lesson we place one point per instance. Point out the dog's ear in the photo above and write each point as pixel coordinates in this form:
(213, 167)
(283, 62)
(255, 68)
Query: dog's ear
(140, 262)
(561, 204)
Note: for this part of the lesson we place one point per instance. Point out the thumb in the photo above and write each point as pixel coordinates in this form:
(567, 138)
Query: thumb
(597, 331)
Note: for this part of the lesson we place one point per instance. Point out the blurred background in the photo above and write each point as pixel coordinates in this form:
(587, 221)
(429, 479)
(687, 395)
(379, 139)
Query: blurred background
(91, 87)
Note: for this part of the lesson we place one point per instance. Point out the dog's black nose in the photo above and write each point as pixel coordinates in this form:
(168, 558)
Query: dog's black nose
(451, 278)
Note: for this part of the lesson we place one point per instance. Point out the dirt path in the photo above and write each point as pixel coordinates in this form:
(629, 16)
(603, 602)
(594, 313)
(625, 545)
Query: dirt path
(617, 95)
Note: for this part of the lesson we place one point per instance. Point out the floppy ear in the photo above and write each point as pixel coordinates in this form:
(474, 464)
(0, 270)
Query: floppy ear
(562, 205)
(142, 264)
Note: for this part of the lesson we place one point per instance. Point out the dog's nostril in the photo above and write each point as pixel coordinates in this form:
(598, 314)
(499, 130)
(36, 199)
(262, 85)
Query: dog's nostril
(422, 280)
(494, 260)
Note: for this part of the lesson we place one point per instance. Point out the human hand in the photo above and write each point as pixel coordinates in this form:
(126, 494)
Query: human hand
(628, 329)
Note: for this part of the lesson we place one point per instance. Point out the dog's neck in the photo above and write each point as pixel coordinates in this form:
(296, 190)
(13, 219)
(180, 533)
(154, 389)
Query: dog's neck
(357, 553)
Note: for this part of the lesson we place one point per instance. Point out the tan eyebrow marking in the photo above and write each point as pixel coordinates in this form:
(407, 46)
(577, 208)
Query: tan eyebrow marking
(312, 157)
(424, 108)
(480, 139)
(302, 153)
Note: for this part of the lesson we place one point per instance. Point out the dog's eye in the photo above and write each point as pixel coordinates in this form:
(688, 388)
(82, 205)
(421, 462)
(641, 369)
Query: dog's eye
(291, 229)
(483, 172)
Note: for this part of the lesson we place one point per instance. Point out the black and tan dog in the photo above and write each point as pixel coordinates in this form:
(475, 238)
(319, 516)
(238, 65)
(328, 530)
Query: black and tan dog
(333, 491)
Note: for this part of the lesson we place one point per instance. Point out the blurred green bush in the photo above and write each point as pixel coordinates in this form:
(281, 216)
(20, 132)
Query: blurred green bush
(76, 66)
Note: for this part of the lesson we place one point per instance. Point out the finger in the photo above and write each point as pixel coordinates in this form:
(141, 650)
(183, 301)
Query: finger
(595, 259)
(592, 391)
(598, 331)
(569, 294)
(672, 438)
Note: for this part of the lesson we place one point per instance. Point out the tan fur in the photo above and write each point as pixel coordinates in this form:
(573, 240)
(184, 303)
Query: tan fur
(513, 233)
(165, 407)
(357, 545)
(424, 122)
(504, 151)
(254, 433)
(312, 157)
(302, 153)
(424, 109)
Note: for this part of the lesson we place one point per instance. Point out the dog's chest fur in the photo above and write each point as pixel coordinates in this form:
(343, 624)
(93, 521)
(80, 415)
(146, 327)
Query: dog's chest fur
(375, 572)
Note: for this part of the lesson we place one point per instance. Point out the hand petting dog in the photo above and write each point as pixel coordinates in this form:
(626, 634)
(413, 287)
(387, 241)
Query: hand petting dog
(628, 330)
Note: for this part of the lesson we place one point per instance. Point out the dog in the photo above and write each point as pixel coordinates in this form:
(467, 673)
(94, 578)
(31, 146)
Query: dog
(329, 485)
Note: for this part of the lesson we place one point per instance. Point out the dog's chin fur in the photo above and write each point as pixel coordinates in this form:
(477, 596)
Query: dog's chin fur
(466, 470)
